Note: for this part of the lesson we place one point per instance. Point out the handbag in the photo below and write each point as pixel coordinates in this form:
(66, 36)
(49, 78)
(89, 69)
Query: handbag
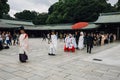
(23, 57)
(26, 57)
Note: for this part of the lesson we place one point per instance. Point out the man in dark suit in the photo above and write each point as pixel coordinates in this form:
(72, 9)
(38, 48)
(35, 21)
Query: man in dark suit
(89, 43)
(76, 38)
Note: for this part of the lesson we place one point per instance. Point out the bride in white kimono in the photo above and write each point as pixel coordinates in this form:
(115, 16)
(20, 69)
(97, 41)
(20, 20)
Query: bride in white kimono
(81, 41)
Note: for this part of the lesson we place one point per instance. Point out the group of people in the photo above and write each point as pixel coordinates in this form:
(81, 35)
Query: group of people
(77, 41)
(6, 39)
(80, 40)
(72, 42)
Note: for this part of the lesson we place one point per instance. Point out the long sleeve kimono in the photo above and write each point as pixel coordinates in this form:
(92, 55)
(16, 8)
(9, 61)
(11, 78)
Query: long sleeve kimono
(81, 42)
(23, 40)
(54, 42)
(74, 42)
(67, 42)
(102, 39)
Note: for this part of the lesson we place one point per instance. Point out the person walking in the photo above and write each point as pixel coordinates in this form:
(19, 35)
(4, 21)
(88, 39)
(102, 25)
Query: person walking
(1, 39)
(48, 37)
(1, 42)
(44, 37)
(23, 43)
(14, 38)
(77, 39)
(85, 40)
(7, 39)
(81, 41)
(89, 43)
(53, 44)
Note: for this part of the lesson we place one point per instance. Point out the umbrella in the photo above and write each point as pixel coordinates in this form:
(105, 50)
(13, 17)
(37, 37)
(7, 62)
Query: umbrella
(79, 25)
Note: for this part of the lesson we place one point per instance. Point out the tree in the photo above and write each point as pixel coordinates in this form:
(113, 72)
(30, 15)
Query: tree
(118, 5)
(4, 7)
(53, 18)
(90, 10)
(72, 11)
(60, 12)
(40, 19)
(69, 11)
(26, 15)
(7, 16)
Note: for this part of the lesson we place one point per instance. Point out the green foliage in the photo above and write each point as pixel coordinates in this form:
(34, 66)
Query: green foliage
(7, 16)
(118, 5)
(4, 7)
(67, 11)
(70, 11)
(40, 19)
(26, 15)
(54, 18)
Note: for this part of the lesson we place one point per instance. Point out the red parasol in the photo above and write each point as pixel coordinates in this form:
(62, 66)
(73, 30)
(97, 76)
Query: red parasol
(79, 25)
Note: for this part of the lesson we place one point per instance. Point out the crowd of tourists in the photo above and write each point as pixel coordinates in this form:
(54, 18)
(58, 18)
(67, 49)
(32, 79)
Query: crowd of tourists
(7, 39)
(80, 40)
(72, 42)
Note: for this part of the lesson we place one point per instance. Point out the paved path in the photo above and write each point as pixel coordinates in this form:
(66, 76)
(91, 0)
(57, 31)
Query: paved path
(110, 56)
(63, 66)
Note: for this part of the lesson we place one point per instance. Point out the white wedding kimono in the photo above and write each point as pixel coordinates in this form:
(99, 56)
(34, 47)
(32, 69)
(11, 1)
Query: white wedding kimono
(74, 42)
(67, 42)
(53, 44)
(23, 40)
(81, 42)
